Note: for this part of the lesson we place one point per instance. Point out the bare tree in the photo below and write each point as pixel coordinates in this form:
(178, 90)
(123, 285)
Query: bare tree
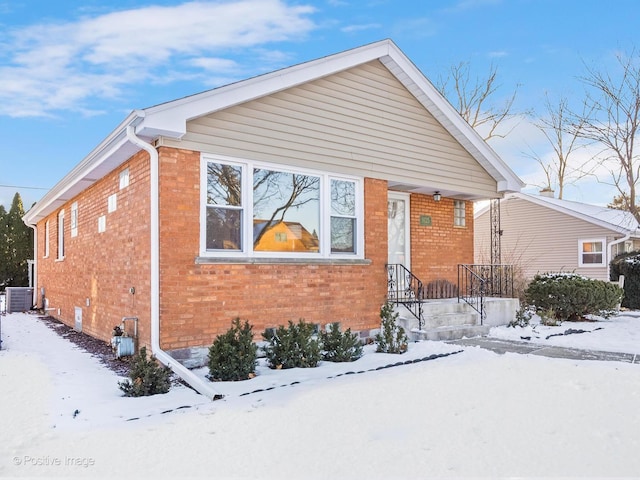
(473, 100)
(562, 131)
(613, 120)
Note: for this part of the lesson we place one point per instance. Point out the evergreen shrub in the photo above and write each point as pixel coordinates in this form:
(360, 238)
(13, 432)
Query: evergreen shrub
(628, 264)
(523, 317)
(571, 296)
(340, 346)
(392, 337)
(146, 377)
(292, 346)
(233, 355)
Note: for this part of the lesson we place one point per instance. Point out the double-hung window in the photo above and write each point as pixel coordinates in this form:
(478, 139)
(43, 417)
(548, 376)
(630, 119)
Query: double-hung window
(591, 252)
(260, 210)
(61, 235)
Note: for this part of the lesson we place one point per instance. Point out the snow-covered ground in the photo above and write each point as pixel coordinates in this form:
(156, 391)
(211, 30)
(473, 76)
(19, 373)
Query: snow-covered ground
(473, 413)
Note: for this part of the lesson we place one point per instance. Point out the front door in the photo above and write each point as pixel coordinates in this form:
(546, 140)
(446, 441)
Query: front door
(398, 228)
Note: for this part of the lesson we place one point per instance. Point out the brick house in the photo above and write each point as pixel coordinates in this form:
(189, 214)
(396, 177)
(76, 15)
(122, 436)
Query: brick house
(356, 152)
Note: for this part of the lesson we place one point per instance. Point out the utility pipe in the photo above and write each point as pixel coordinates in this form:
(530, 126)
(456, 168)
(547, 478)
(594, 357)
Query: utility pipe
(187, 375)
(34, 297)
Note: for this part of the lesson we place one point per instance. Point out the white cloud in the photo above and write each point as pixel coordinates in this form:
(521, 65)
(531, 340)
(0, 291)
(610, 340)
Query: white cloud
(359, 28)
(62, 66)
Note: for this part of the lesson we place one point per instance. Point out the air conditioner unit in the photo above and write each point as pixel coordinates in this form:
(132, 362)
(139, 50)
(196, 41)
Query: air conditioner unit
(19, 299)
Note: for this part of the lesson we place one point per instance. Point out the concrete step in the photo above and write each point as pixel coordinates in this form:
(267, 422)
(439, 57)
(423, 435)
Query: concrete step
(449, 333)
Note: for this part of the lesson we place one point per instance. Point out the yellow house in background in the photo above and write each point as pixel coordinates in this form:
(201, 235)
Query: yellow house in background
(283, 237)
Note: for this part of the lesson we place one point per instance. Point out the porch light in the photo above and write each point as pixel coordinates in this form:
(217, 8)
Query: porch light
(437, 196)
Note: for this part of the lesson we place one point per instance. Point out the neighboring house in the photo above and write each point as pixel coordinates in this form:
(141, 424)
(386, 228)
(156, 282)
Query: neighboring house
(348, 152)
(543, 234)
(284, 237)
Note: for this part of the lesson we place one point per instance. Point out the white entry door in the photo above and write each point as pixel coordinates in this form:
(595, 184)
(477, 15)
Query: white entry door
(398, 228)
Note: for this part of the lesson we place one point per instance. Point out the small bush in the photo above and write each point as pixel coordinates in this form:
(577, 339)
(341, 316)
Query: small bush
(147, 377)
(232, 356)
(628, 264)
(338, 346)
(572, 296)
(293, 346)
(392, 337)
(523, 317)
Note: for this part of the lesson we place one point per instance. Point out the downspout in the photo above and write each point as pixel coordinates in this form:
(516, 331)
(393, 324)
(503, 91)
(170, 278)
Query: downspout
(34, 299)
(184, 373)
(615, 242)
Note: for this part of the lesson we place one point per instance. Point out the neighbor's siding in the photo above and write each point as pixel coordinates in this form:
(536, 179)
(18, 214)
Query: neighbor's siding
(538, 239)
(199, 301)
(361, 121)
(101, 268)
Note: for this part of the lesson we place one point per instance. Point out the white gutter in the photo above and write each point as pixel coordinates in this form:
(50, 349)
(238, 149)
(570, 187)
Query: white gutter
(187, 375)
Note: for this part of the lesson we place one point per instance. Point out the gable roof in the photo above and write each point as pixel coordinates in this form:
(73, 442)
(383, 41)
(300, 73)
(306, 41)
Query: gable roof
(170, 119)
(616, 220)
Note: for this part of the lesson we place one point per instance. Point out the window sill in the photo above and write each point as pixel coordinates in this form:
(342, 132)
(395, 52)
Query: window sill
(281, 261)
(61, 259)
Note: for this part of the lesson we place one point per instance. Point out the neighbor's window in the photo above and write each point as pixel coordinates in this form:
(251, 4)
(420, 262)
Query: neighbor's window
(61, 235)
(262, 210)
(591, 252)
(46, 239)
(459, 213)
(74, 219)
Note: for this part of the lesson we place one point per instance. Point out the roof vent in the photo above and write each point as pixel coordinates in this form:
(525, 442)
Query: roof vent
(547, 192)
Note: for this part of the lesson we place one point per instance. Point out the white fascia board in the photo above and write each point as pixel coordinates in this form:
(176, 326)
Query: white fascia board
(82, 175)
(444, 112)
(170, 119)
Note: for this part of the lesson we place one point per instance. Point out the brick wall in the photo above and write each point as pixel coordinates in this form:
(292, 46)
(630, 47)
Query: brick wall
(437, 249)
(199, 301)
(99, 269)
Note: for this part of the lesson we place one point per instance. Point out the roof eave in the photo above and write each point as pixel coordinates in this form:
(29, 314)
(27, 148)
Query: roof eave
(102, 159)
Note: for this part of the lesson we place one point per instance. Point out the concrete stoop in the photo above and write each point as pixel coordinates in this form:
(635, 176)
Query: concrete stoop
(443, 320)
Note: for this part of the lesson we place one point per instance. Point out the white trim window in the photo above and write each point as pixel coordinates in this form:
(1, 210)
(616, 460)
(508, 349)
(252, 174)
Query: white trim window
(591, 252)
(74, 219)
(46, 239)
(112, 203)
(459, 213)
(251, 209)
(61, 235)
(123, 178)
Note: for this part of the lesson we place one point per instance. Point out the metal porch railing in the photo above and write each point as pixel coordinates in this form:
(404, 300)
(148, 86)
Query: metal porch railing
(404, 288)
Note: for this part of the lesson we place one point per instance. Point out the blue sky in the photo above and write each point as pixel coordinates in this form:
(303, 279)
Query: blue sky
(71, 71)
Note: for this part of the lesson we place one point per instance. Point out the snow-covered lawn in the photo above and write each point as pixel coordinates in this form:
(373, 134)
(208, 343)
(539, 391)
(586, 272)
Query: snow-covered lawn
(473, 413)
